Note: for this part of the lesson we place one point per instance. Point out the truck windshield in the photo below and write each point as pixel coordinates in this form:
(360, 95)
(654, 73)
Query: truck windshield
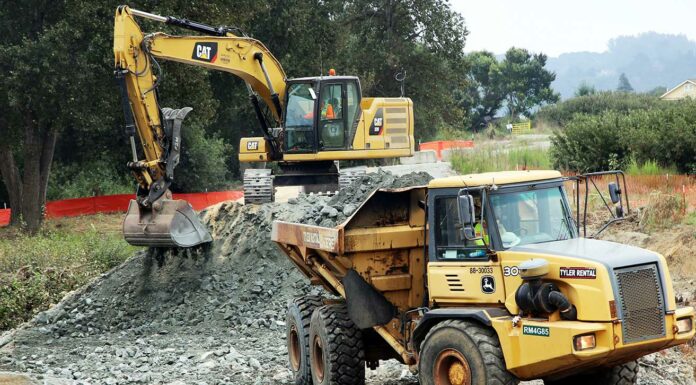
(532, 216)
(299, 117)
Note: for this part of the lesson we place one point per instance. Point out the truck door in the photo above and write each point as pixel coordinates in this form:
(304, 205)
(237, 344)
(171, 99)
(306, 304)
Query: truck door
(460, 271)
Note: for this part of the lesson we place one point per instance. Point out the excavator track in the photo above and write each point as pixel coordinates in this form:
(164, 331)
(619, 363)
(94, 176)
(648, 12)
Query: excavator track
(348, 177)
(258, 186)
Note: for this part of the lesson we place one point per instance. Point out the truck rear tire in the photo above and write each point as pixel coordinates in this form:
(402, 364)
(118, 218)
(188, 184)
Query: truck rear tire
(624, 374)
(456, 352)
(336, 348)
(297, 335)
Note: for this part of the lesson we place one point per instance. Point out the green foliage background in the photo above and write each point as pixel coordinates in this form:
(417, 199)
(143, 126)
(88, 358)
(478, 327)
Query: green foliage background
(618, 130)
(57, 63)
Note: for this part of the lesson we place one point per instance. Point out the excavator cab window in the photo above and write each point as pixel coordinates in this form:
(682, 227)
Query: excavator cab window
(299, 118)
(332, 123)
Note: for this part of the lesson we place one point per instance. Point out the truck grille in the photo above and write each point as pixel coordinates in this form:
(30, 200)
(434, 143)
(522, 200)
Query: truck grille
(641, 303)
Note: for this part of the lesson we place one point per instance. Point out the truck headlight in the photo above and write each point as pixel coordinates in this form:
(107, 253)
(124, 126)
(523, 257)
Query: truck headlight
(584, 342)
(685, 325)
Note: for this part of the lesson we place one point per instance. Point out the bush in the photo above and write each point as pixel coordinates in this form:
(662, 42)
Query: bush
(203, 163)
(84, 180)
(36, 271)
(662, 211)
(664, 134)
(560, 114)
(590, 143)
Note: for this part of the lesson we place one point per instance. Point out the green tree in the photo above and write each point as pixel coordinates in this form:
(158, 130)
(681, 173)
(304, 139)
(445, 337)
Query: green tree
(519, 81)
(527, 83)
(585, 89)
(423, 37)
(58, 84)
(624, 84)
(483, 95)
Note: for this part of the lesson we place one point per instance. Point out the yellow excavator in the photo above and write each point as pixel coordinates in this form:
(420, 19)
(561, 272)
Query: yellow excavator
(316, 122)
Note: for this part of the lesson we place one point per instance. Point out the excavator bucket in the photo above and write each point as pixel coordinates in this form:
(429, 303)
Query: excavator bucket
(170, 223)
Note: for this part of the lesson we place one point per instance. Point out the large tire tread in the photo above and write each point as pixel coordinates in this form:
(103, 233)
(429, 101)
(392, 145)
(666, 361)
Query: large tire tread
(305, 307)
(624, 374)
(344, 345)
(487, 343)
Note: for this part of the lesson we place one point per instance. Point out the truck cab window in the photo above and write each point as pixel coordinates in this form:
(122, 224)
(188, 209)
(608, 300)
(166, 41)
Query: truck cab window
(449, 239)
(534, 216)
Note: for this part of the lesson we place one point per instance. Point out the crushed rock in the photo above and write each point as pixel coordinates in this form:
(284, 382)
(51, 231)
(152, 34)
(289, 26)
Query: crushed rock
(208, 315)
(213, 314)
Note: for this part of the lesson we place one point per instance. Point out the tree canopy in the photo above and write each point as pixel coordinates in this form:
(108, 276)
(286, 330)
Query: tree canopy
(519, 82)
(60, 102)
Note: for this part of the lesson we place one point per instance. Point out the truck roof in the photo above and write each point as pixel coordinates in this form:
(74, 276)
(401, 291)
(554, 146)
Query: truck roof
(498, 178)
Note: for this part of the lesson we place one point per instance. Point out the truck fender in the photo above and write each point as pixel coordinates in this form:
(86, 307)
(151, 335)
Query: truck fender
(481, 315)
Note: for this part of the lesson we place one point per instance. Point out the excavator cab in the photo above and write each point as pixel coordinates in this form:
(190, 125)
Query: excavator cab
(322, 113)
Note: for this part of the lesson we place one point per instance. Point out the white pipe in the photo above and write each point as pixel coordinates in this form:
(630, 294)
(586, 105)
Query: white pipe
(147, 15)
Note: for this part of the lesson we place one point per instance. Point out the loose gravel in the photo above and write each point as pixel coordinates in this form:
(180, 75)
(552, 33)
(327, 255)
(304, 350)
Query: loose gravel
(209, 315)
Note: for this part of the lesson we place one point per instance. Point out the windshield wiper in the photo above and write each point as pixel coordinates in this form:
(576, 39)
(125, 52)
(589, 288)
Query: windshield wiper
(564, 230)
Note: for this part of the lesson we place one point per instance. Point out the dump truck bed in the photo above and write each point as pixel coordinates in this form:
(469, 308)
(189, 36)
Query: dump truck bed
(374, 260)
(383, 241)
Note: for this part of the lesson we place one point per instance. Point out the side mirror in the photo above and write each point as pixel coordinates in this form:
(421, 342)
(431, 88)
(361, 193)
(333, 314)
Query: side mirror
(467, 214)
(614, 193)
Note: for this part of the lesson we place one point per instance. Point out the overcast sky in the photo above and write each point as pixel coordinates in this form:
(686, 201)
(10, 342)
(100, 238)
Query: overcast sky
(559, 26)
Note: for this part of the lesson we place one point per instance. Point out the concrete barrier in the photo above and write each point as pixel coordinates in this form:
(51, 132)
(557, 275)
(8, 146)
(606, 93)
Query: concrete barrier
(427, 156)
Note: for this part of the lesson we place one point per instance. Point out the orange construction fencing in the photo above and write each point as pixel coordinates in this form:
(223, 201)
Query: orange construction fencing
(119, 203)
(440, 145)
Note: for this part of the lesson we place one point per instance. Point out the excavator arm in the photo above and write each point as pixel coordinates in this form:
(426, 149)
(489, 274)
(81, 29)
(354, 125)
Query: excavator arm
(153, 218)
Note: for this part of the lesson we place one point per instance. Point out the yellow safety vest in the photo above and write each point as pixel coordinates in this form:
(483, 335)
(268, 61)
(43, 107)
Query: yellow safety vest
(478, 229)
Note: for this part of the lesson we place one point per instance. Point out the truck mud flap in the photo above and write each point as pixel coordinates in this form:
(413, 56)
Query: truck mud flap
(366, 306)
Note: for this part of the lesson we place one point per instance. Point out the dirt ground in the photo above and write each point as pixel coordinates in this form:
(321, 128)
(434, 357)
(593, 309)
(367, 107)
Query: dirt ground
(216, 314)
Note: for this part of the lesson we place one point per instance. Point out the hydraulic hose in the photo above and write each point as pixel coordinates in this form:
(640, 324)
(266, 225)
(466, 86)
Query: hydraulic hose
(561, 302)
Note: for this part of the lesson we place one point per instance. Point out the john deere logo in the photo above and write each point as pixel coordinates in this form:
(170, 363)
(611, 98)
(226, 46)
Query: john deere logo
(487, 284)
(206, 52)
(540, 331)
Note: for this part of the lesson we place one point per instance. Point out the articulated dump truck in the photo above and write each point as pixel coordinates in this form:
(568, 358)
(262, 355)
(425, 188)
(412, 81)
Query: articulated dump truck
(478, 279)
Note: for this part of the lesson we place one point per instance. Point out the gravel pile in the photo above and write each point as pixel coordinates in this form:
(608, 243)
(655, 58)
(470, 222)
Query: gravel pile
(210, 315)
(342, 205)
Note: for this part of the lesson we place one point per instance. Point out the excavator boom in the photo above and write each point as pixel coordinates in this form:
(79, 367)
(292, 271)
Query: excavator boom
(154, 219)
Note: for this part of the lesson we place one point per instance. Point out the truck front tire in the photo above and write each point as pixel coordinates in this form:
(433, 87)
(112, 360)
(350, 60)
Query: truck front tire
(624, 374)
(335, 348)
(297, 334)
(456, 352)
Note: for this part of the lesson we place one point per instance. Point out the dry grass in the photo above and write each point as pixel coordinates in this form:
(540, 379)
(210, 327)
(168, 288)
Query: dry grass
(36, 271)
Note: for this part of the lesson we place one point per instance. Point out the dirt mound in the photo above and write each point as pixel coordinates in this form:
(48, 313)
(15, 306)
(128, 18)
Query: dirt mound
(212, 314)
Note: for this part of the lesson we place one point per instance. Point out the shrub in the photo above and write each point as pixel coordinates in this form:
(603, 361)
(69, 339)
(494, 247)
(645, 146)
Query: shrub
(590, 143)
(560, 114)
(36, 271)
(664, 134)
(662, 211)
(84, 180)
(203, 162)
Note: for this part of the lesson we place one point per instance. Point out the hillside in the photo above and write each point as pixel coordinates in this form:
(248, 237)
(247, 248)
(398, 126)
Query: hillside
(649, 60)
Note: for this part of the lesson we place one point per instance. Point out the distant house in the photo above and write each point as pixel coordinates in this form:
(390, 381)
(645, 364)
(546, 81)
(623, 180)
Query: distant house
(687, 88)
